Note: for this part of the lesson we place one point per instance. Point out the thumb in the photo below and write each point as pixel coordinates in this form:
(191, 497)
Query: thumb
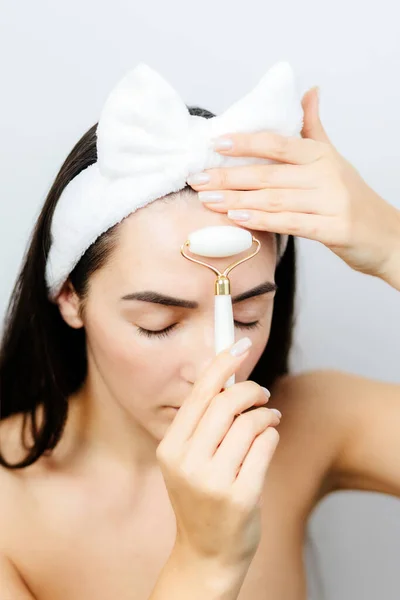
(312, 127)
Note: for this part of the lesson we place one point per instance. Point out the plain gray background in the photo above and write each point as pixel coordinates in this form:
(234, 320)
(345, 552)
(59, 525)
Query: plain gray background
(58, 62)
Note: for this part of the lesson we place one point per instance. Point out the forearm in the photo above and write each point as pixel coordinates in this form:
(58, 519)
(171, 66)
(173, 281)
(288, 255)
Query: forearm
(182, 578)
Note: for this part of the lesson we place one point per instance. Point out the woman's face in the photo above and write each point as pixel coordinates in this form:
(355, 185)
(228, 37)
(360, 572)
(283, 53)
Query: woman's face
(146, 355)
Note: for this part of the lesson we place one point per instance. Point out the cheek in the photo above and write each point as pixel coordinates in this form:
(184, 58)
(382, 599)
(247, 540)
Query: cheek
(259, 338)
(120, 352)
(254, 356)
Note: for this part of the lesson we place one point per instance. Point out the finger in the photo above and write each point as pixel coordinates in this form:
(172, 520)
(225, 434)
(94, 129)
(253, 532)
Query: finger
(265, 144)
(322, 228)
(210, 384)
(253, 177)
(219, 416)
(249, 483)
(237, 442)
(273, 200)
(312, 126)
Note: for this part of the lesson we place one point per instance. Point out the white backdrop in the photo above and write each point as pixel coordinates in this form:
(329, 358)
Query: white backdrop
(60, 59)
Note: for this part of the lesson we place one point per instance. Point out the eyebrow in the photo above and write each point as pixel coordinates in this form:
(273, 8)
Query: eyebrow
(156, 298)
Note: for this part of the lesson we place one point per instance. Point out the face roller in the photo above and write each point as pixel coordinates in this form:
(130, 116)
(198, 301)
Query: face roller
(221, 241)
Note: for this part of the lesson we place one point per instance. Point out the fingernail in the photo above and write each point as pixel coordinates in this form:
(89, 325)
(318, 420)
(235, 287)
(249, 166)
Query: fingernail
(241, 346)
(239, 215)
(266, 392)
(198, 179)
(222, 144)
(277, 412)
(210, 196)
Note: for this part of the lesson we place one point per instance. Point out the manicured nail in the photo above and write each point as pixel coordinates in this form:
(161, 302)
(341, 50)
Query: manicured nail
(239, 215)
(198, 179)
(222, 144)
(266, 392)
(241, 346)
(211, 197)
(277, 412)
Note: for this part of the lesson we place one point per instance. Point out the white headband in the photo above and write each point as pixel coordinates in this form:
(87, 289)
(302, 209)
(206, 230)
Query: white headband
(148, 144)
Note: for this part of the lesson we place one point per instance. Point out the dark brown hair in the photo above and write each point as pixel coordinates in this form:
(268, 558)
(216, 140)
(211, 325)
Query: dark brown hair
(43, 360)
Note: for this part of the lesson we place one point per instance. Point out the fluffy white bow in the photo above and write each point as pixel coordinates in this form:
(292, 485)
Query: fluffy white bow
(148, 144)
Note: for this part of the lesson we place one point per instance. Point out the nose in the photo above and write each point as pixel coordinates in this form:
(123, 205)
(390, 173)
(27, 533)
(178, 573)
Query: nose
(199, 352)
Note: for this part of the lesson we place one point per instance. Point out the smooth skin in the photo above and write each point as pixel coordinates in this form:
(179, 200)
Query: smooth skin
(80, 525)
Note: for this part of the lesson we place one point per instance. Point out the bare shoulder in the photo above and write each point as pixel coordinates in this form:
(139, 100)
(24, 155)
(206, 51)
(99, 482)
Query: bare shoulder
(349, 422)
(329, 392)
(313, 399)
(12, 583)
(11, 480)
(16, 439)
(315, 386)
(311, 431)
(10, 492)
(13, 505)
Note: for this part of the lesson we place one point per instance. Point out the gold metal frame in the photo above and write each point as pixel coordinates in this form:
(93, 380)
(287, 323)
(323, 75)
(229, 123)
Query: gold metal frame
(222, 283)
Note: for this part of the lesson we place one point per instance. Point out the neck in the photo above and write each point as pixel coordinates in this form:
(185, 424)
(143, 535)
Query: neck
(101, 427)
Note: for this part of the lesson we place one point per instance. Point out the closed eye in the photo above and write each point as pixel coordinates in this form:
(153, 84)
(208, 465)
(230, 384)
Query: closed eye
(165, 332)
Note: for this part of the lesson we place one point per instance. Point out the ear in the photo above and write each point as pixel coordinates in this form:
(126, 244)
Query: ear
(70, 306)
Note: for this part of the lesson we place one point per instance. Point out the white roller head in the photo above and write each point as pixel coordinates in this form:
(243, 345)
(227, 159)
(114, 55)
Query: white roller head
(219, 241)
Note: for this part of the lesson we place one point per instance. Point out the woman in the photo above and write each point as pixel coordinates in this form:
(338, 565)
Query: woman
(116, 493)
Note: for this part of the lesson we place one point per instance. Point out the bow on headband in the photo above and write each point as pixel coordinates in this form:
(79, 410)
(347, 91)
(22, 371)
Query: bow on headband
(148, 144)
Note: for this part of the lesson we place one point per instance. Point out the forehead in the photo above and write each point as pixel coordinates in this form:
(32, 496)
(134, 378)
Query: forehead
(149, 242)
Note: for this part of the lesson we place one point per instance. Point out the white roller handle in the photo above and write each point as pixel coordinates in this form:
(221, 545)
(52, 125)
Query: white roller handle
(224, 327)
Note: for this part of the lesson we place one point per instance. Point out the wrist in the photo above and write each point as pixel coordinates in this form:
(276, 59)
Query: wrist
(391, 271)
(221, 579)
